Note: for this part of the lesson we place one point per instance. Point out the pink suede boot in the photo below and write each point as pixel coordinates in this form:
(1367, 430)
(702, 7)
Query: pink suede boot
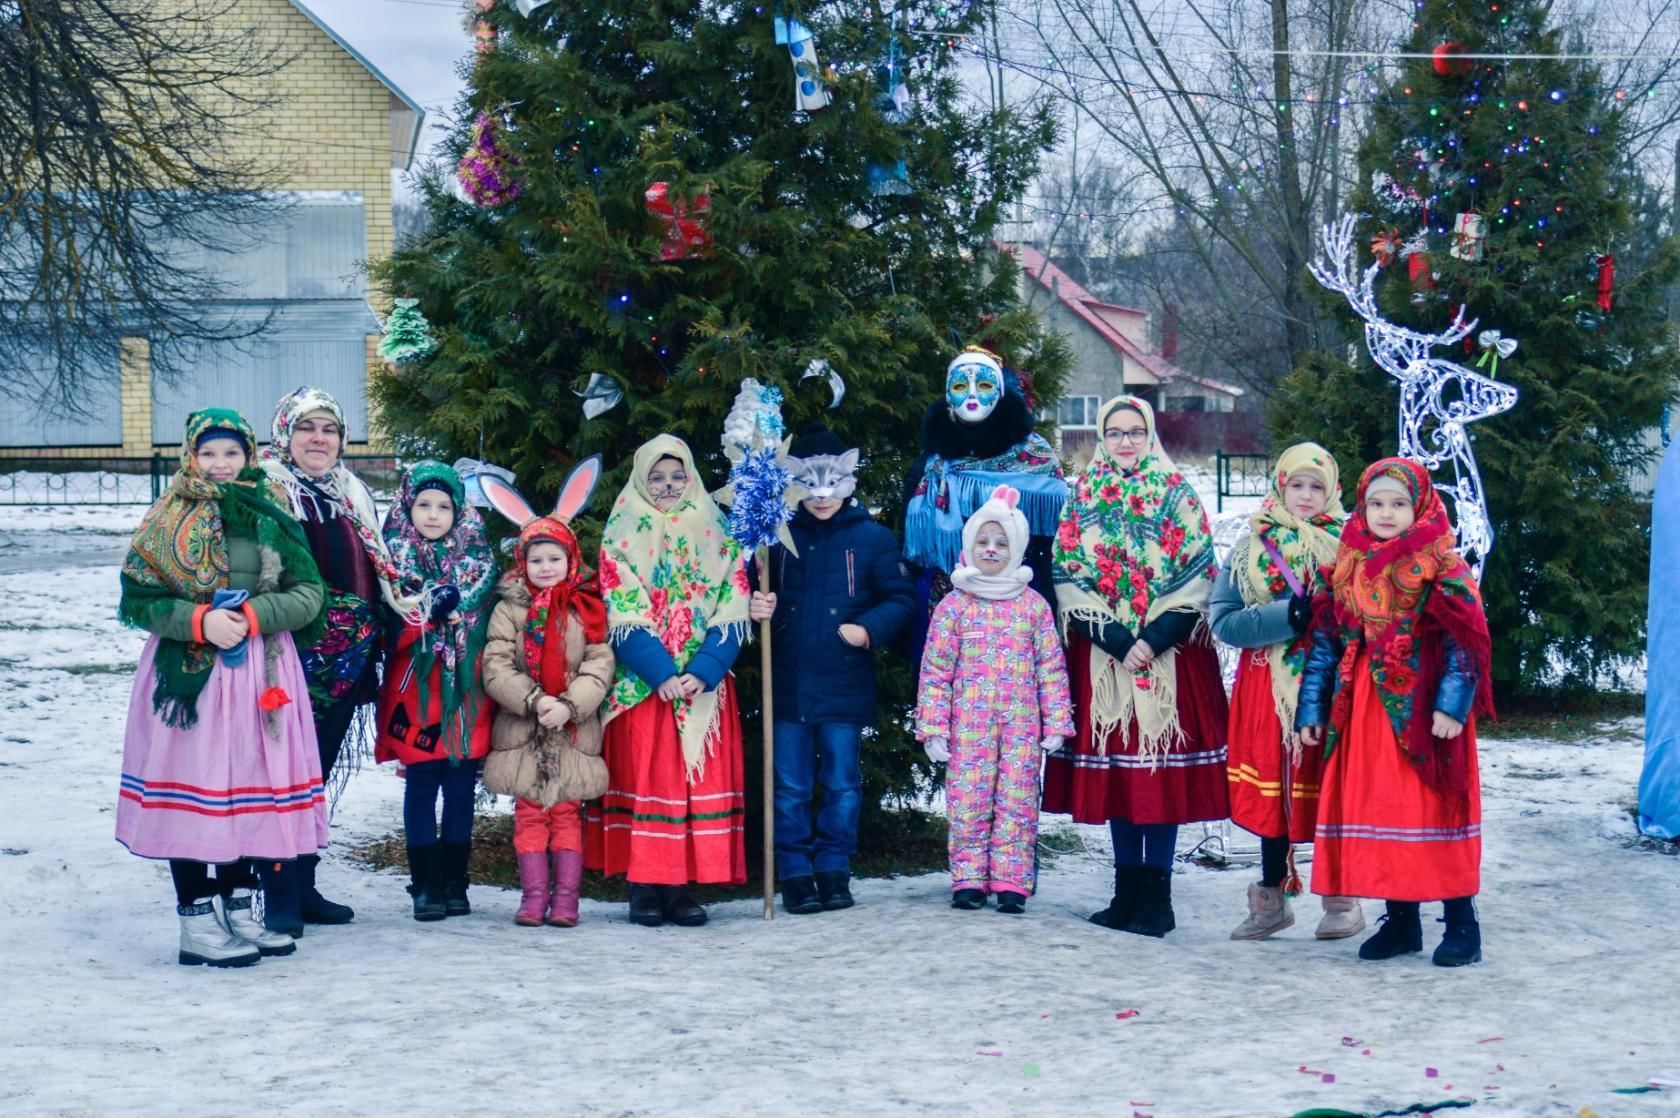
(568, 874)
(533, 880)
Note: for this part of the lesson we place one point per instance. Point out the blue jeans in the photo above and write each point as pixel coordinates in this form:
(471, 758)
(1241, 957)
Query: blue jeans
(808, 754)
(458, 783)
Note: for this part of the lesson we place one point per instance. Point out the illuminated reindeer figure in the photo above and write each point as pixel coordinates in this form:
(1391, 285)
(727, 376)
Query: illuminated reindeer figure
(1437, 397)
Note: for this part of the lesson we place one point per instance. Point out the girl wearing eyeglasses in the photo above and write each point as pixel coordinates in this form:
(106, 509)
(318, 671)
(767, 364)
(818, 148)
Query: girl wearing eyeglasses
(1134, 570)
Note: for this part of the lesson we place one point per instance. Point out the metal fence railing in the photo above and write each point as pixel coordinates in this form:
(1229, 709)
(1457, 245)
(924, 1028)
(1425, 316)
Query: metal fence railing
(33, 480)
(1240, 475)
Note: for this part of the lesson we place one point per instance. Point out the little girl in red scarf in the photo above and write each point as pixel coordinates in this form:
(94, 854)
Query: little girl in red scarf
(1400, 811)
(548, 667)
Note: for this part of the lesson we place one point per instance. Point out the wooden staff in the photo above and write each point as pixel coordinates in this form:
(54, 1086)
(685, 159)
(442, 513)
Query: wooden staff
(767, 705)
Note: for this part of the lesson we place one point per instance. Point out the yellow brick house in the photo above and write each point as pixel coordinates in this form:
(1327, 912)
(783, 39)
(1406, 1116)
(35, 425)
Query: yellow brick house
(333, 131)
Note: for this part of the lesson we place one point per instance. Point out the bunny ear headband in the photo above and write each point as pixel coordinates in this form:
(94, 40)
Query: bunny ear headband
(573, 499)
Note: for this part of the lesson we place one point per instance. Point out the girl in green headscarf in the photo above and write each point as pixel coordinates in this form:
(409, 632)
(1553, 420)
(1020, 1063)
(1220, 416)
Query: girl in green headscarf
(219, 759)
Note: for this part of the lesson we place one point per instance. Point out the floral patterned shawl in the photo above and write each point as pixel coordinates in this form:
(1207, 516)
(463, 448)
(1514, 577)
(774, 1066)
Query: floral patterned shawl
(675, 575)
(1392, 599)
(1307, 547)
(1132, 546)
(462, 559)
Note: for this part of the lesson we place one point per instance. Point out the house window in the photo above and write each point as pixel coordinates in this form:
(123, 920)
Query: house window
(1078, 412)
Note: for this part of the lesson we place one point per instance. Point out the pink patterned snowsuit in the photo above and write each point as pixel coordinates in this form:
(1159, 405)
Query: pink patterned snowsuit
(994, 683)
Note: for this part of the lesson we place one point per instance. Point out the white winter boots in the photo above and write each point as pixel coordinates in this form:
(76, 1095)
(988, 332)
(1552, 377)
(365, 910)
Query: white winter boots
(1269, 913)
(224, 933)
(238, 919)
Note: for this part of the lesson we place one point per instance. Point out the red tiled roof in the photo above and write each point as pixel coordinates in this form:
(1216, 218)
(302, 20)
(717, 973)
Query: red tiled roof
(1081, 302)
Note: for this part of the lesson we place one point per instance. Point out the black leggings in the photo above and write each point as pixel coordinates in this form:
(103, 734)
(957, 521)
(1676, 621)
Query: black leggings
(1274, 861)
(193, 882)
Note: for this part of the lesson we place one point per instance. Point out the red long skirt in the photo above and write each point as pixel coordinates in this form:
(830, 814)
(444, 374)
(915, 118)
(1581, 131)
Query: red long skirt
(655, 827)
(1186, 785)
(1269, 796)
(1383, 832)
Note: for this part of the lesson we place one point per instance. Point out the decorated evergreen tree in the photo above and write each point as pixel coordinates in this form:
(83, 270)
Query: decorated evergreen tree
(657, 200)
(1500, 185)
(408, 337)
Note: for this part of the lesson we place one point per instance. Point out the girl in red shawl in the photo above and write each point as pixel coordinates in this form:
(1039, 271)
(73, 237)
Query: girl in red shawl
(1400, 811)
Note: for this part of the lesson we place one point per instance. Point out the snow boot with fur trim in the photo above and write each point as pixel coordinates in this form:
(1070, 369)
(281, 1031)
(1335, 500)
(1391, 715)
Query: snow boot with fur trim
(1268, 913)
(1343, 917)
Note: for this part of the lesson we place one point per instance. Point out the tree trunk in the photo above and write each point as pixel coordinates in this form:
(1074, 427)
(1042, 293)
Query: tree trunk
(1295, 236)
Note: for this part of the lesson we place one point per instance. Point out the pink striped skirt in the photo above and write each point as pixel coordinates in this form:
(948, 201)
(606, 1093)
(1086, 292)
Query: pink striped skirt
(225, 788)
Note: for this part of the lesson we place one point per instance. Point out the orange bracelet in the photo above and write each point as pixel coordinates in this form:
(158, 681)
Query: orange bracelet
(250, 618)
(198, 624)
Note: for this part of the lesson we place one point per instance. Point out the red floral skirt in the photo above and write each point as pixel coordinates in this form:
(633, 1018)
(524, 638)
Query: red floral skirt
(1383, 832)
(1269, 796)
(653, 825)
(1185, 785)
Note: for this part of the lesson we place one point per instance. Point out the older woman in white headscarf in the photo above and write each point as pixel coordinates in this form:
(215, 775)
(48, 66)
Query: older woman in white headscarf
(305, 460)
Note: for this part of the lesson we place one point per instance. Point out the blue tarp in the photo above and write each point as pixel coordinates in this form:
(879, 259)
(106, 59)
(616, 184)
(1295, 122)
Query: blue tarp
(1659, 786)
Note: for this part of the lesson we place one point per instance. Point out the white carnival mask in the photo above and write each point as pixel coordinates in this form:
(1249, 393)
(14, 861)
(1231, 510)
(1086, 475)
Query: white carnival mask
(828, 477)
(973, 386)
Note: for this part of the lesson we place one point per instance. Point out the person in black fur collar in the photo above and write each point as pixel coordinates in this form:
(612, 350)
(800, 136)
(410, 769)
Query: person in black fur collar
(978, 437)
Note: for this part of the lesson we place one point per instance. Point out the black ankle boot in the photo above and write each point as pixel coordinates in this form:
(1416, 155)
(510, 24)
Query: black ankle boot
(424, 886)
(315, 908)
(680, 908)
(799, 896)
(1153, 915)
(454, 872)
(968, 898)
(1401, 933)
(1462, 945)
(1012, 903)
(1119, 911)
(647, 908)
(835, 889)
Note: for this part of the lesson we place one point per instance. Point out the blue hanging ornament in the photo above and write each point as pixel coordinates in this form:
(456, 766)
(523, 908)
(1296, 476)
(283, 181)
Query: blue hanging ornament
(808, 92)
(893, 102)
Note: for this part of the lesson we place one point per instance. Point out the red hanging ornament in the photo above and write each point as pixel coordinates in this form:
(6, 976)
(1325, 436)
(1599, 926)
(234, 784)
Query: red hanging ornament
(1385, 246)
(684, 221)
(1606, 279)
(1449, 61)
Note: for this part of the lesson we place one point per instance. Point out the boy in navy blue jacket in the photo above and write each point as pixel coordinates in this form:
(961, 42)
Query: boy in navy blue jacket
(844, 595)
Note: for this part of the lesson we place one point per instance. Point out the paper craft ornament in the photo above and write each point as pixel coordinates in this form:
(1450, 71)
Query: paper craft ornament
(470, 471)
(1469, 238)
(819, 367)
(684, 222)
(526, 7)
(808, 92)
(600, 396)
(408, 336)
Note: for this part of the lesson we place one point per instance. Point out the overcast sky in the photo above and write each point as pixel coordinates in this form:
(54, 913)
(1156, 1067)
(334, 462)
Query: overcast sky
(416, 43)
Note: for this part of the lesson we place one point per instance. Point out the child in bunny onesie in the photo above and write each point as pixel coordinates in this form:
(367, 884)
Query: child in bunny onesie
(994, 693)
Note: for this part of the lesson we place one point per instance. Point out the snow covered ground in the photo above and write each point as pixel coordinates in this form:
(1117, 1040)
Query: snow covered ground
(900, 1004)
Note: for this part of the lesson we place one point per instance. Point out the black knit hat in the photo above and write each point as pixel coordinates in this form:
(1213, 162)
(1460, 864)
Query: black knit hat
(816, 440)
